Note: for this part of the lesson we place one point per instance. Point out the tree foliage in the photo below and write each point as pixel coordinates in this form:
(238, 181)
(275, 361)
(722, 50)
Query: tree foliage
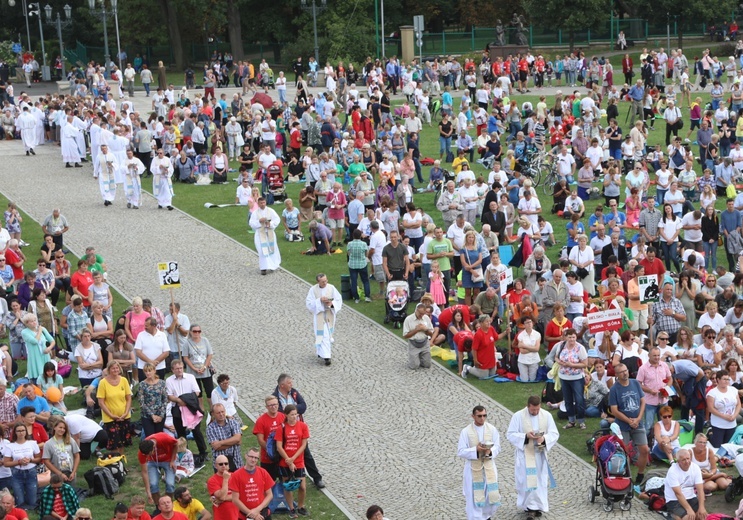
(569, 15)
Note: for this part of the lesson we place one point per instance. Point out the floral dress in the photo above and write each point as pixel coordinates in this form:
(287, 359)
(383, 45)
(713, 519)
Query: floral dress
(153, 400)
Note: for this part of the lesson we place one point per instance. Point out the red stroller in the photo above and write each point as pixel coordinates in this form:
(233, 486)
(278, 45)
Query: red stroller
(275, 181)
(613, 474)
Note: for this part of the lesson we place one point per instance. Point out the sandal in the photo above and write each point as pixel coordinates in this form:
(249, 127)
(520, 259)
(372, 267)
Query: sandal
(568, 426)
(582, 426)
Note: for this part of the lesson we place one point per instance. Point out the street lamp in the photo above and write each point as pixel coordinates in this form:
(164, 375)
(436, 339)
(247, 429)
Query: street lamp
(314, 8)
(11, 3)
(102, 14)
(59, 23)
(35, 9)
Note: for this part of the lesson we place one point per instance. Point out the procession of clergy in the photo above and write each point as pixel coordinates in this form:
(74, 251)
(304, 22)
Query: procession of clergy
(533, 433)
(112, 155)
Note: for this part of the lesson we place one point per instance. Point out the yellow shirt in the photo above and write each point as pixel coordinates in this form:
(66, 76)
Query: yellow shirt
(457, 164)
(115, 397)
(177, 132)
(193, 510)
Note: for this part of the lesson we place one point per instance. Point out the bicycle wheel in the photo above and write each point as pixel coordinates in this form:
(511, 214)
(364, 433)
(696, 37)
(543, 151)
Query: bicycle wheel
(436, 195)
(550, 180)
(536, 176)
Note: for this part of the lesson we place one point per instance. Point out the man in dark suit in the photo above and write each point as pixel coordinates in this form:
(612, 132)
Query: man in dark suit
(613, 248)
(496, 219)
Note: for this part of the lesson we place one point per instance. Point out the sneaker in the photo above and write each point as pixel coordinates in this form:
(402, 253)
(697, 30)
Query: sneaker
(303, 511)
(367, 299)
(639, 478)
(293, 513)
(356, 300)
(465, 370)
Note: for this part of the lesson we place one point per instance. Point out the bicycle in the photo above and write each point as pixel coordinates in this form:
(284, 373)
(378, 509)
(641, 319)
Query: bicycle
(550, 178)
(438, 188)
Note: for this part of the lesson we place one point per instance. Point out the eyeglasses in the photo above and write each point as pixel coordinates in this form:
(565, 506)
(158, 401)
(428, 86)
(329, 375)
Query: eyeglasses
(662, 339)
(196, 331)
(666, 416)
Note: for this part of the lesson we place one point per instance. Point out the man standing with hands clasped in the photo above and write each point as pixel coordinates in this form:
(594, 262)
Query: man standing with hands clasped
(418, 329)
(533, 433)
(479, 444)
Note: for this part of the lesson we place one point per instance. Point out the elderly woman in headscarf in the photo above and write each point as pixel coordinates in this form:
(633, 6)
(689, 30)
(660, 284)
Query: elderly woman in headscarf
(536, 265)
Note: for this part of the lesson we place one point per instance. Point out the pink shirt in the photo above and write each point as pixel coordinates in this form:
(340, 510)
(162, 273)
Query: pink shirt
(655, 378)
(336, 202)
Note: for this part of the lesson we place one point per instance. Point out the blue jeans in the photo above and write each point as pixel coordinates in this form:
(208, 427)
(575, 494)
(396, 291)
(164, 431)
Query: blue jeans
(710, 255)
(575, 405)
(154, 475)
(282, 95)
(593, 411)
(648, 420)
(660, 194)
(515, 129)
(354, 274)
(444, 144)
(670, 254)
(146, 88)
(425, 271)
(25, 487)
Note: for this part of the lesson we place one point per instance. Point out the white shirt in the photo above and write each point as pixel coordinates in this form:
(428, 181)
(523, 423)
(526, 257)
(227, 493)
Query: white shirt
(669, 228)
(692, 235)
(687, 480)
(87, 428)
(724, 403)
(456, 235)
(565, 164)
(530, 205)
(377, 242)
(177, 386)
(152, 347)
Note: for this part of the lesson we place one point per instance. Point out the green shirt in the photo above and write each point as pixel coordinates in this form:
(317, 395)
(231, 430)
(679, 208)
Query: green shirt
(441, 246)
(357, 250)
(356, 168)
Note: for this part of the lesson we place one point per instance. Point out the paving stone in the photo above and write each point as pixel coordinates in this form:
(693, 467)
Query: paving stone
(380, 432)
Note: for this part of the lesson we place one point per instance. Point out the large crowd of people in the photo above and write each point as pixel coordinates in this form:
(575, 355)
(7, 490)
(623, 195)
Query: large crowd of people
(357, 151)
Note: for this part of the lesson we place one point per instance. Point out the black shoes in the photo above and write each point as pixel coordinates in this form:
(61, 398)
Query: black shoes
(319, 484)
(78, 165)
(327, 362)
(170, 208)
(32, 152)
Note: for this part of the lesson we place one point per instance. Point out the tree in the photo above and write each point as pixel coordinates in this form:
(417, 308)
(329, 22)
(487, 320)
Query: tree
(569, 15)
(170, 14)
(234, 30)
(687, 12)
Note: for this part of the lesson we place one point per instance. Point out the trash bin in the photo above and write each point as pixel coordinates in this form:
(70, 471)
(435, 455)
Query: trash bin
(346, 286)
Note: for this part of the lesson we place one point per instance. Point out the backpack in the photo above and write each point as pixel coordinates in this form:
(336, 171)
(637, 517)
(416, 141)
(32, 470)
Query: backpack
(271, 449)
(116, 465)
(102, 482)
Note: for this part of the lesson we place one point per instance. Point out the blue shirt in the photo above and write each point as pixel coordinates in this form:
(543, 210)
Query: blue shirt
(636, 93)
(619, 219)
(627, 399)
(446, 99)
(492, 124)
(730, 220)
(354, 208)
(581, 229)
(592, 222)
(39, 404)
(513, 195)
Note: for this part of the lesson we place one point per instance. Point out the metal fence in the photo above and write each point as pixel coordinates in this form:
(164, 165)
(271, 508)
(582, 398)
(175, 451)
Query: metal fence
(193, 54)
(634, 29)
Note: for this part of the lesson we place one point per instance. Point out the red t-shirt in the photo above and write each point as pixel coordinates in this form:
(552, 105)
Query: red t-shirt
(265, 425)
(553, 330)
(82, 282)
(484, 345)
(144, 516)
(516, 297)
(58, 504)
(446, 315)
(226, 510)
(165, 446)
(251, 487)
(17, 512)
(39, 433)
(11, 257)
(654, 267)
(292, 437)
(176, 516)
(295, 138)
(523, 65)
(459, 338)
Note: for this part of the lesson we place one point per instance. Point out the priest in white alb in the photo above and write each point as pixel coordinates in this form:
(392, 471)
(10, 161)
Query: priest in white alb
(107, 166)
(324, 302)
(26, 124)
(533, 433)
(70, 151)
(479, 444)
(264, 221)
(133, 169)
(162, 182)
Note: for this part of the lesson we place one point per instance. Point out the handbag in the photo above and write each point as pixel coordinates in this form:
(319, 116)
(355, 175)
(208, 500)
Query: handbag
(477, 275)
(582, 272)
(719, 241)
(418, 343)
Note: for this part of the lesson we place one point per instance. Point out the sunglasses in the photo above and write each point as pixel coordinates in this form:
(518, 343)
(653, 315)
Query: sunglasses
(223, 463)
(667, 416)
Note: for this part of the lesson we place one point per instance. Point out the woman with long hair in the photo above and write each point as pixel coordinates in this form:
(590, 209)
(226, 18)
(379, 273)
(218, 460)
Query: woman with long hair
(61, 453)
(710, 237)
(153, 401)
(291, 443)
(669, 228)
(22, 456)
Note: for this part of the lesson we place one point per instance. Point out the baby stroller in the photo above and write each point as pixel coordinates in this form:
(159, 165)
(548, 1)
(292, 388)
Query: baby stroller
(613, 476)
(267, 79)
(396, 303)
(275, 181)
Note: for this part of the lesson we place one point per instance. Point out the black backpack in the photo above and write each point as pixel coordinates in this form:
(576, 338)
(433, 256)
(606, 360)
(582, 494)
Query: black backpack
(101, 481)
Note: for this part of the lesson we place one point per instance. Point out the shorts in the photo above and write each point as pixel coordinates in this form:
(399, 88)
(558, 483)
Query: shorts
(379, 273)
(336, 224)
(675, 508)
(523, 75)
(638, 435)
(641, 320)
(288, 474)
(694, 124)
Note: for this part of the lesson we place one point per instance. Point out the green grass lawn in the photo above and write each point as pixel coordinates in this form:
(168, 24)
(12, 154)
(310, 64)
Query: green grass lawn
(319, 505)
